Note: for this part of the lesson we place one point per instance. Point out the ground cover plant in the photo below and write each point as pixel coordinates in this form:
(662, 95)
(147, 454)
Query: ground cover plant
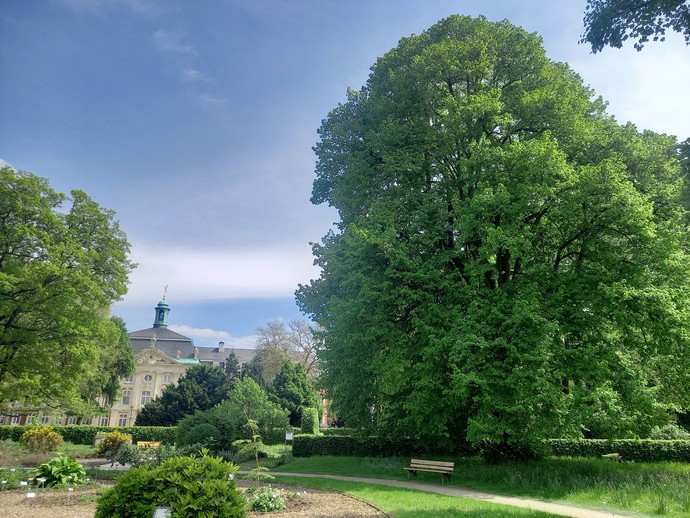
(12, 453)
(407, 503)
(650, 488)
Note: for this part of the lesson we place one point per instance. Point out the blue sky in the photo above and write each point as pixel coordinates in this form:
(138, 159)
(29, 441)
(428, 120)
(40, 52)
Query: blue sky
(194, 121)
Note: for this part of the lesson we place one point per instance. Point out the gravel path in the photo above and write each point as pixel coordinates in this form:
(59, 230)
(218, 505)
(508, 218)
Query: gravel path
(310, 503)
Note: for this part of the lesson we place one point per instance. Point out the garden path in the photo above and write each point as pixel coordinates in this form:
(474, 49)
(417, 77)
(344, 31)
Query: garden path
(527, 503)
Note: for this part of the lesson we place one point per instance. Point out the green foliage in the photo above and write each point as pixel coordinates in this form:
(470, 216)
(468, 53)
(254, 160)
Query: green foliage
(228, 420)
(641, 450)
(670, 432)
(499, 453)
(59, 471)
(611, 22)
(41, 439)
(510, 264)
(265, 499)
(85, 434)
(340, 445)
(60, 271)
(112, 442)
(191, 486)
(310, 421)
(255, 404)
(205, 434)
(338, 431)
(292, 391)
(201, 388)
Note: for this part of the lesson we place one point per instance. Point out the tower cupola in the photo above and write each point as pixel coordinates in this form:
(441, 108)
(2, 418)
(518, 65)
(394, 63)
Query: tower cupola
(162, 310)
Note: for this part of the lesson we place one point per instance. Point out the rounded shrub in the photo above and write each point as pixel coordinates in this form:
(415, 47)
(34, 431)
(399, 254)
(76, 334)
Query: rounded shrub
(41, 439)
(205, 434)
(190, 486)
(112, 442)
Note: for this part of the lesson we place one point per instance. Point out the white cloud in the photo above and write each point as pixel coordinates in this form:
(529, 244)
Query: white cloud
(220, 273)
(191, 74)
(172, 42)
(210, 337)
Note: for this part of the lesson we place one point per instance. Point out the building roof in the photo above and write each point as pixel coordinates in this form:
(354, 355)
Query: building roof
(213, 354)
(169, 342)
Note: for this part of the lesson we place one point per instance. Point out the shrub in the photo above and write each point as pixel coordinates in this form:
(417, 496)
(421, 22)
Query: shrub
(111, 444)
(205, 434)
(190, 486)
(499, 453)
(41, 439)
(670, 432)
(226, 419)
(265, 499)
(641, 450)
(310, 421)
(60, 470)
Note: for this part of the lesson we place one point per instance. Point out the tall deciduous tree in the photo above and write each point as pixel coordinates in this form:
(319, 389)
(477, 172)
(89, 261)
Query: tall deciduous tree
(510, 263)
(60, 271)
(201, 388)
(611, 22)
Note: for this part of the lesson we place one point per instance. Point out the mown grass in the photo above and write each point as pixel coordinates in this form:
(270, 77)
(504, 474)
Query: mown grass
(657, 489)
(407, 503)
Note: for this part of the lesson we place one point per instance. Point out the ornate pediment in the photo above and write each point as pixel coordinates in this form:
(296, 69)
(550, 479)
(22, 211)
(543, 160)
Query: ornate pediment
(154, 356)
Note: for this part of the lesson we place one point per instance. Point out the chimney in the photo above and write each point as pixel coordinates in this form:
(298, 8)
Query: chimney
(221, 347)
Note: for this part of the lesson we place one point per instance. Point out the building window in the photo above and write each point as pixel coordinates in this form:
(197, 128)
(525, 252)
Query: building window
(128, 379)
(122, 421)
(145, 397)
(103, 420)
(15, 419)
(148, 378)
(167, 378)
(106, 400)
(72, 419)
(45, 419)
(126, 395)
(31, 418)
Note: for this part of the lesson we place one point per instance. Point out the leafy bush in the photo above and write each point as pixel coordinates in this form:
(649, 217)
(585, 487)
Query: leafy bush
(265, 499)
(111, 444)
(190, 486)
(642, 450)
(311, 445)
(205, 434)
(310, 420)
(41, 439)
(60, 470)
(670, 432)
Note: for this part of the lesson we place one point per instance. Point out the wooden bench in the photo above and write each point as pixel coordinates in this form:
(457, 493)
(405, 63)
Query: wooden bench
(431, 466)
(148, 444)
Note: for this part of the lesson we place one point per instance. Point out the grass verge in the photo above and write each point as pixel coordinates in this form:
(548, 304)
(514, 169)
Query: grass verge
(407, 503)
(655, 489)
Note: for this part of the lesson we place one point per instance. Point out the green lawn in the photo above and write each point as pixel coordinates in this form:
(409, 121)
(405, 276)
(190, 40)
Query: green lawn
(406, 503)
(656, 489)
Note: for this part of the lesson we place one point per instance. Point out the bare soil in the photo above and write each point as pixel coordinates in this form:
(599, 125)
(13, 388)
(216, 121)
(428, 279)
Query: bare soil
(302, 502)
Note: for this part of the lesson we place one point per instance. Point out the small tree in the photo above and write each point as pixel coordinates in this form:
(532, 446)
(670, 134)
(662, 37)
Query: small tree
(293, 391)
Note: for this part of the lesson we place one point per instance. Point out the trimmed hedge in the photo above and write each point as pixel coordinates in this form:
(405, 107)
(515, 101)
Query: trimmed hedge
(305, 445)
(638, 450)
(273, 436)
(310, 421)
(644, 450)
(338, 431)
(85, 434)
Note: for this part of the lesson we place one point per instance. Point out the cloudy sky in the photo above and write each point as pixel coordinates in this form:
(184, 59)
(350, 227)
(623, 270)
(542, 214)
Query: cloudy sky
(194, 121)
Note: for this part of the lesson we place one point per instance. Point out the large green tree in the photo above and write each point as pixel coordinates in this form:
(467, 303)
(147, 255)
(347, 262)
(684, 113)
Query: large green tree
(612, 22)
(201, 388)
(60, 270)
(293, 391)
(510, 264)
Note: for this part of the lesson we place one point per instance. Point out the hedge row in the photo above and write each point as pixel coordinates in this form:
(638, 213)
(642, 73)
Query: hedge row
(341, 445)
(338, 431)
(642, 450)
(85, 434)
(645, 450)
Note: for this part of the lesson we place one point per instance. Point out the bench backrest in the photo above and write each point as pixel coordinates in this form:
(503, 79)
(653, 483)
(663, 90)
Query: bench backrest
(437, 464)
